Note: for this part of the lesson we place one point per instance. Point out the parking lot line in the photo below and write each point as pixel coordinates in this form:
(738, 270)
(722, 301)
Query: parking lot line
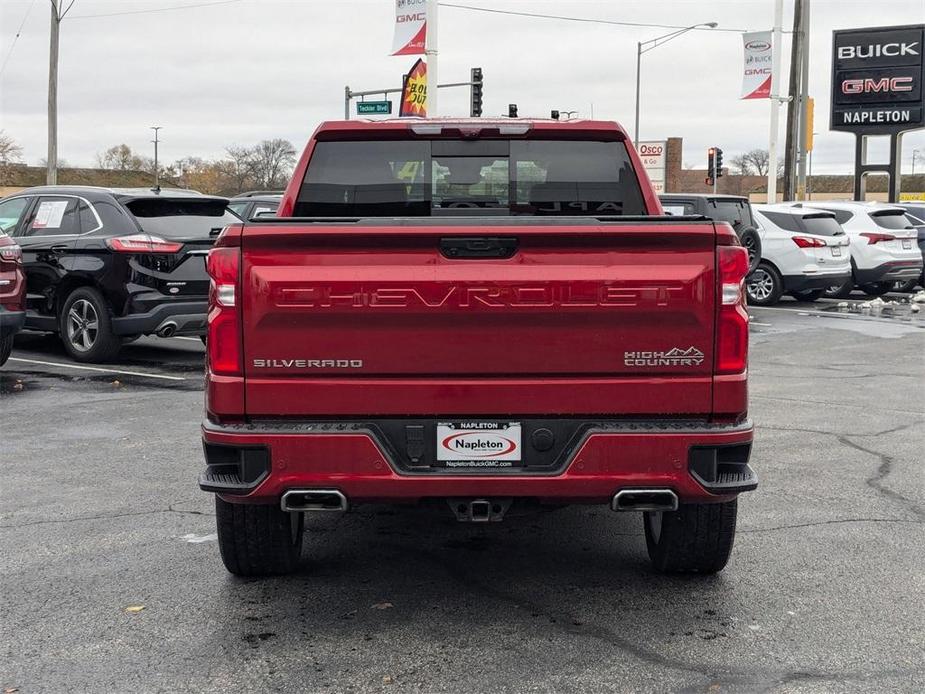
(93, 368)
(180, 337)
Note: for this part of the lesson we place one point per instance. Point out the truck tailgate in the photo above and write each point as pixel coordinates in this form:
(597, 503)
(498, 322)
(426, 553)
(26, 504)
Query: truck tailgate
(342, 319)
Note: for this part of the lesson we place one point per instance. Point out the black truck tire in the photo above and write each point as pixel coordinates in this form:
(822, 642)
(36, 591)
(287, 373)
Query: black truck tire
(6, 348)
(751, 240)
(85, 326)
(258, 539)
(697, 538)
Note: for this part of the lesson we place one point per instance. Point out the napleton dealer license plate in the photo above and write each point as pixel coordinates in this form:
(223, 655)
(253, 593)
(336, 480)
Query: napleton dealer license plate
(478, 444)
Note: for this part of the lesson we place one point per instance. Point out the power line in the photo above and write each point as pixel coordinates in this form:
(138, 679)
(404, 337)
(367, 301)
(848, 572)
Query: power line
(16, 38)
(587, 20)
(156, 9)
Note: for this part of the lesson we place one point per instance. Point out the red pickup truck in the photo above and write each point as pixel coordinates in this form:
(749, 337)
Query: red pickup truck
(488, 314)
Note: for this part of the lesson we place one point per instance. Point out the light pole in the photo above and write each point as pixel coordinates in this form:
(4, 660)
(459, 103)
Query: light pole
(915, 153)
(156, 141)
(645, 47)
(809, 180)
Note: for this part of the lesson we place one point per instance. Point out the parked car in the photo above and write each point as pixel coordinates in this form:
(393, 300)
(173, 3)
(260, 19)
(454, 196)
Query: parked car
(803, 252)
(458, 334)
(248, 205)
(104, 266)
(734, 209)
(12, 291)
(915, 213)
(883, 246)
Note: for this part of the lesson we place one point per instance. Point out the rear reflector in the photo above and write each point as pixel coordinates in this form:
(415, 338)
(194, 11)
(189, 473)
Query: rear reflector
(806, 242)
(223, 344)
(732, 318)
(873, 237)
(143, 243)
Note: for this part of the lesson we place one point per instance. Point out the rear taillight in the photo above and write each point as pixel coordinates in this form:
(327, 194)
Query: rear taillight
(806, 242)
(9, 250)
(143, 243)
(224, 331)
(732, 318)
(874, 237)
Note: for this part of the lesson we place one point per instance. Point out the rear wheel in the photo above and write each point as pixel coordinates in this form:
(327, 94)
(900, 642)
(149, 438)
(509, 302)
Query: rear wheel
(808, 295)
(877, 288)
(85, 327)
(751, 240)
(6, 349)
(258, 539)
(697, 538)
(764, 286)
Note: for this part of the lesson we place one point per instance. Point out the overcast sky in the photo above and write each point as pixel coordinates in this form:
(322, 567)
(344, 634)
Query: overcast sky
(243, 70)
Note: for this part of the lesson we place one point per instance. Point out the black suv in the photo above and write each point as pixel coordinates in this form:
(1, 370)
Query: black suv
(104, 266)
(735, 209)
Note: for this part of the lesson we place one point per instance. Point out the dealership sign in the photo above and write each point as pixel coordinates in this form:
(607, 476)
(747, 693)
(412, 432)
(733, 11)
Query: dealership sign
(877, 77)
(756, 75)
(654, 162)
(410, 27)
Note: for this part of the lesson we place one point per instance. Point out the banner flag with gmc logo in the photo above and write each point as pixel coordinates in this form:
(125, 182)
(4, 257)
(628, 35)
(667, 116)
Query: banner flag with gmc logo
(877, 77)
(756, 79)
(410, 27)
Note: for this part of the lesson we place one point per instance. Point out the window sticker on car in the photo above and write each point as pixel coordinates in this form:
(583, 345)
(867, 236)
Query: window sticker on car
(50, 214)
(676, 210)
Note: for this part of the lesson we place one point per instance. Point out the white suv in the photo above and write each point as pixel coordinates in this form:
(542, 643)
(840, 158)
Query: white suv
(803, 253)
(883, 245)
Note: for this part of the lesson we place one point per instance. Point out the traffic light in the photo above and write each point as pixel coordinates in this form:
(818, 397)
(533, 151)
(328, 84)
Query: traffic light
(512, 110)
(719, 161)
(475, 109)
(554, 114)
(711, 162)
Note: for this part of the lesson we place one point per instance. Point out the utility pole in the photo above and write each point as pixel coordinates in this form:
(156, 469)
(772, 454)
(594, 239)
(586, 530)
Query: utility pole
(803, 135)
(796, 63)
(156, 141)
(430, 50)
(51, 174)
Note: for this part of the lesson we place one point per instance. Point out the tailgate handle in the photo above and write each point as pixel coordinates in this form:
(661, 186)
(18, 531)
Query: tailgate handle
(478, 246)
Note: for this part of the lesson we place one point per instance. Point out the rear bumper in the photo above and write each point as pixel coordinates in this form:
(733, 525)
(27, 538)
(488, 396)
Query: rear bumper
(889, 272)
(183, 317)
(11, 322)
(258, 463)
(804, 283)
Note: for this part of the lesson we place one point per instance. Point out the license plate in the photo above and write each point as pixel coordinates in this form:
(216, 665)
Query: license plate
(836, 251)
(478, 444)
(907, 243)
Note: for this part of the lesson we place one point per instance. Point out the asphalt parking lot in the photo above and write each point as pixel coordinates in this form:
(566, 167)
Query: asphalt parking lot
(111, 579)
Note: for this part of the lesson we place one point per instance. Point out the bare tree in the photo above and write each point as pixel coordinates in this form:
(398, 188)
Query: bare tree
(10, 155)
(120, 158)
(239, 167)
(271, 162)
(755, 162)
(10, 152)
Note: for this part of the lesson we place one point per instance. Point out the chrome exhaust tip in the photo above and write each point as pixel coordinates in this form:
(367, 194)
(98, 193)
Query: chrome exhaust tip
(301, 500)
(644, 500)
(166, 330)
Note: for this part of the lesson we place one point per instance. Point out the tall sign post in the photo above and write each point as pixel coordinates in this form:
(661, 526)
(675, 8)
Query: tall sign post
(877, 89)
